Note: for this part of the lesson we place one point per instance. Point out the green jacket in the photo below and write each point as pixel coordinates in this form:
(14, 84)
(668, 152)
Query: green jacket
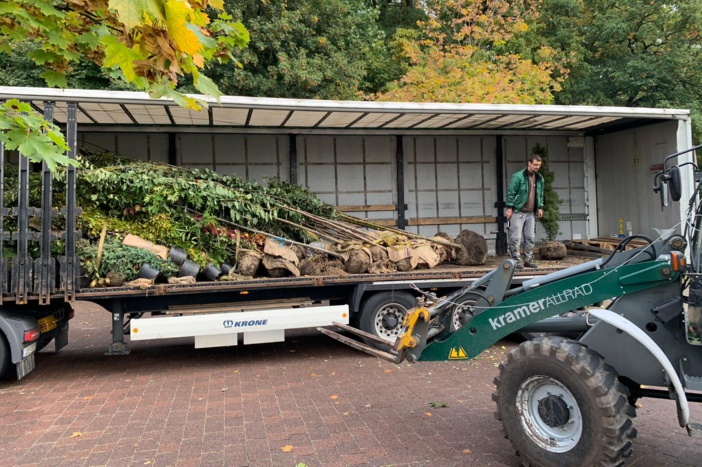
(519, 189)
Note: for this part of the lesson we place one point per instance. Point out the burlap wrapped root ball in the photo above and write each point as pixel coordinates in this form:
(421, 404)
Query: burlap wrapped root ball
(446, 253)
(358, 262)
(382, 267)
(248, 262)
(474, 251)
(553, 251)
(320, 265)
(378, 253)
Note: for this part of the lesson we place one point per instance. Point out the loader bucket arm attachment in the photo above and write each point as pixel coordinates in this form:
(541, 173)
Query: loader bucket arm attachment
(491, 324)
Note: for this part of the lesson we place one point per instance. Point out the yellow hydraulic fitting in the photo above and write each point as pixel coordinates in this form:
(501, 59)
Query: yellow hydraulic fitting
(406, 340)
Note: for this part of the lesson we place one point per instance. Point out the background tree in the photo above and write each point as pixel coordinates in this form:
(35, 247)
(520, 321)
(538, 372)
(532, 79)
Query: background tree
(304, 48)
(629, 53)
(478, 51)
(399, 20)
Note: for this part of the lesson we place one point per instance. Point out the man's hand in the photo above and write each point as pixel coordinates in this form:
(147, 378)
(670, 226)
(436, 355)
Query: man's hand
(508, 213)
(539, 214)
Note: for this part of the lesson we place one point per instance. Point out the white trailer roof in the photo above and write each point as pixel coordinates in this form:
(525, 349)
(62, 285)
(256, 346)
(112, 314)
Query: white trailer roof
(137, 111)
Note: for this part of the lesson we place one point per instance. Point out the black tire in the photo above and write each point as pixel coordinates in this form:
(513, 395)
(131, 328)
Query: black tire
(5, 357)
(383, 312)
(560, 404)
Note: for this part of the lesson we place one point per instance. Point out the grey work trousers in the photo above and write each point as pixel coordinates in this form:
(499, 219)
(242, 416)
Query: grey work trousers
(522, 224)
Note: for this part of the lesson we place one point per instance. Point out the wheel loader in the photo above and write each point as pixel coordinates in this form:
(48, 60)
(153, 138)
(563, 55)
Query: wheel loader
(564, 401)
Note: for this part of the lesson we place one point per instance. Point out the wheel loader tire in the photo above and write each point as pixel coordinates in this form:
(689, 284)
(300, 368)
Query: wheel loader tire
(560, 404)
(383, 312)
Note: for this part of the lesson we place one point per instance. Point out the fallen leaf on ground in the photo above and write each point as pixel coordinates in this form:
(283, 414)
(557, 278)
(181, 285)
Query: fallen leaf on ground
(286, 448)
(388, 371)
(428, 414)
(76, 434)
(334, 397)
(467, 451)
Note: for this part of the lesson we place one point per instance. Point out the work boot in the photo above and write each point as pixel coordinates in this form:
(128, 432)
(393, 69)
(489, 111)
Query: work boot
(517, 263)
(530, 263)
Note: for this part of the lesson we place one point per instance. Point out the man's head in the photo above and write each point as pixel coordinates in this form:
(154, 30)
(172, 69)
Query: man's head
(534, 163)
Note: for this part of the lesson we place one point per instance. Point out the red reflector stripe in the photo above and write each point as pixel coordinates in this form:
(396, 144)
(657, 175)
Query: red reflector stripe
(31, 335)
(677, 261)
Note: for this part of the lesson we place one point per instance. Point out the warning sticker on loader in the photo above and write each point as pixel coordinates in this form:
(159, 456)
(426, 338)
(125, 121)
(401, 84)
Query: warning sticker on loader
(457, 354)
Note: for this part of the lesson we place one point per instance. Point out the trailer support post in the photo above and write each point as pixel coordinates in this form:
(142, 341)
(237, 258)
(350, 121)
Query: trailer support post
(501, 241)
(45, 265)
(118, 346)
(400, 168)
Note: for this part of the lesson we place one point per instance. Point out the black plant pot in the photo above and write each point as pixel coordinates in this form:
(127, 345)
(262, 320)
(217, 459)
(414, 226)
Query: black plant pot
(177, 255)
(211, 272)
(189, 268)
(147, 272)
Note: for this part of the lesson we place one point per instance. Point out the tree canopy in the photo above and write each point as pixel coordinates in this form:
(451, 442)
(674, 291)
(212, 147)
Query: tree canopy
(477, 52)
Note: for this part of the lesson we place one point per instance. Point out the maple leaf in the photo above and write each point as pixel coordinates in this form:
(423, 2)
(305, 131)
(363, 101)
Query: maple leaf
(177, 15)
(54, 79)
(132, 12)
(119, 55)
(206, 86)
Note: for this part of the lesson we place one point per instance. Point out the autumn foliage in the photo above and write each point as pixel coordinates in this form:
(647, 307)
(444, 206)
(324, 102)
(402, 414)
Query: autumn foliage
(478, 51)
(149, 44)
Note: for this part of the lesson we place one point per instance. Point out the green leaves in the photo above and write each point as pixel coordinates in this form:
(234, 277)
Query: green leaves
(132, 13)
(119, 55)
(192, 201)
(35, 138)
(54, 79)
(147, 44)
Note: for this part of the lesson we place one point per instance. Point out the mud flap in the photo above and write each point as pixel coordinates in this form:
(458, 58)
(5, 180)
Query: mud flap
(25, 366)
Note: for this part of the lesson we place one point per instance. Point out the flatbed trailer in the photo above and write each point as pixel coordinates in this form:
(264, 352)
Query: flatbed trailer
(230, 313)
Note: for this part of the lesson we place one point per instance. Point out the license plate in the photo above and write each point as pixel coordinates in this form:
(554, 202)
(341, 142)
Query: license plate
(29, 350)
(47, 324)
(25, 366)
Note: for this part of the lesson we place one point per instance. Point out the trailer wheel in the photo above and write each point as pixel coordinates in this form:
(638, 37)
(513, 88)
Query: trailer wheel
(463, 310)
(382, 314)
(560, 404)
(5, 356)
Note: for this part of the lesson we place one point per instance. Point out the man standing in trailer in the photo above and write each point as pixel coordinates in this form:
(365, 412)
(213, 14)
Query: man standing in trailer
(525, 200)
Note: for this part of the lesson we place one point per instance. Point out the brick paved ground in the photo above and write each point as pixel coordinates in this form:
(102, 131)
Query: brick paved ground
(310, 400)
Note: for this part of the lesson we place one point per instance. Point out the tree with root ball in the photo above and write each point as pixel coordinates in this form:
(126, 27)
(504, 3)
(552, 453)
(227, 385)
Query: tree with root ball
(551, 198)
